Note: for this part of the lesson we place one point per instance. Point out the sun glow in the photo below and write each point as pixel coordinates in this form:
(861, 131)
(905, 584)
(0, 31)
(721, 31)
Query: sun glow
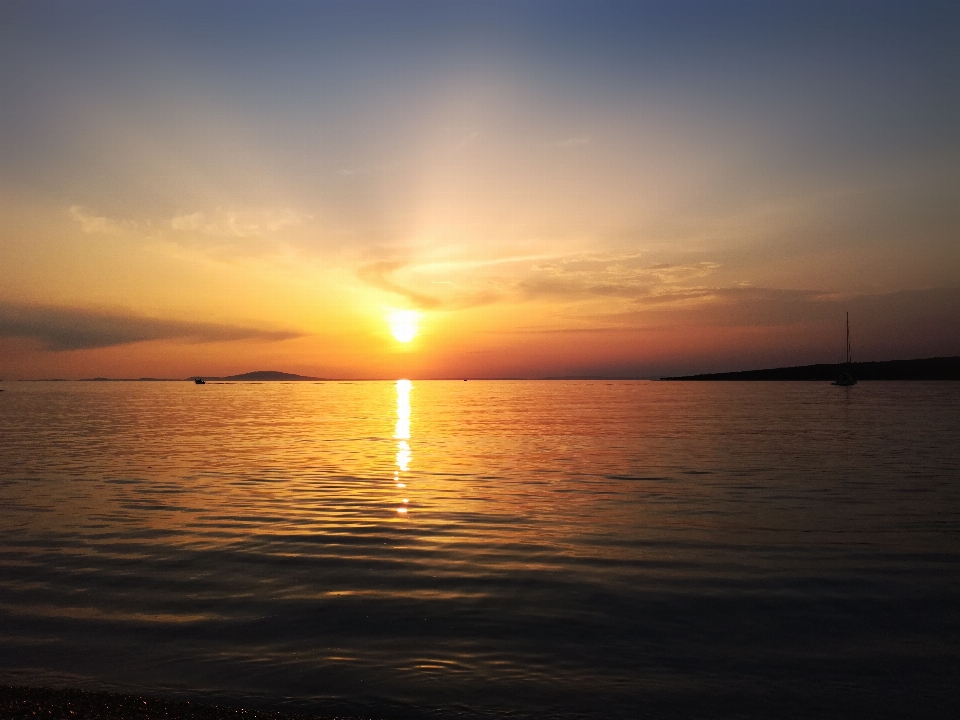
(404, 324)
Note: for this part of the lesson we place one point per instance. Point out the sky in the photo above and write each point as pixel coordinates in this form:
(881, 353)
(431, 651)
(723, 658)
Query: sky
(549, 188)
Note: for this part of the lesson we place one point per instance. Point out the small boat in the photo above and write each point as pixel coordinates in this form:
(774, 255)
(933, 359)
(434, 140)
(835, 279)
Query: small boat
(846, 379)
(199, 381)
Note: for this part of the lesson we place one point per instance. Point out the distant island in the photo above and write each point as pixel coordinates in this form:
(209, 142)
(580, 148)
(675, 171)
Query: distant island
(258, 375)
(142, 379)
(940, 368)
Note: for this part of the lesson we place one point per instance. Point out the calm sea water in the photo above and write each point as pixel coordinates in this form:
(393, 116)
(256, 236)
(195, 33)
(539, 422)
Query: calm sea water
(487, 549)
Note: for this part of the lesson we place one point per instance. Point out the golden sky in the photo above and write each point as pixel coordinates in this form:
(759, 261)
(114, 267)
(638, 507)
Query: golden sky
(567, 188)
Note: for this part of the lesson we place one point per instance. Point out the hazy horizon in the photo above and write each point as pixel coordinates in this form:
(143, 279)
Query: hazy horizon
(295, 377)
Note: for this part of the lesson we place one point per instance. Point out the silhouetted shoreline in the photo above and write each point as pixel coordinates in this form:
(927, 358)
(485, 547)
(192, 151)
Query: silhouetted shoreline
(259, 375)
(941, 368)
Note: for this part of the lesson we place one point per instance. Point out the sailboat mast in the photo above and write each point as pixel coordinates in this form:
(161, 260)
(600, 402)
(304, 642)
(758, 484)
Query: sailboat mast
(848, 337)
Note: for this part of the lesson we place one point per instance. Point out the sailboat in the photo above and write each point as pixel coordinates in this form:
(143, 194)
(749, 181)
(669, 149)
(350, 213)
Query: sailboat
(846, 379)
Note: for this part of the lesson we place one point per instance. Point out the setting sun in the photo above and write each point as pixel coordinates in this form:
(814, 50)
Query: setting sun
(404, 324)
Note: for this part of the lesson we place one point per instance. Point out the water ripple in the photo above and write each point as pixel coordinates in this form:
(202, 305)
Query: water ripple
(509, 549)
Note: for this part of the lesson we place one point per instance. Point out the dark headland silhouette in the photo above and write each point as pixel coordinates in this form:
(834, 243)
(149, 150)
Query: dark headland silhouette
(940, 368)
(258, 375)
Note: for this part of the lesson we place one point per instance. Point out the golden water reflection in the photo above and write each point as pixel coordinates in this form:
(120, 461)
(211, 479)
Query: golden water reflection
(402, 435)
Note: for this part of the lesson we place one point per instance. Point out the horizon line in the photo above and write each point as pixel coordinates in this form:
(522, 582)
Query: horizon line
(294, 377)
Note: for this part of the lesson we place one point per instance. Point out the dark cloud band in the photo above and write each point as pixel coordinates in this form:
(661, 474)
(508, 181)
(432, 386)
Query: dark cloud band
(64, 328)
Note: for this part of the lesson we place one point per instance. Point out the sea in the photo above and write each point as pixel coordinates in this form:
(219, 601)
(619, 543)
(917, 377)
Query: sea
(487, 549)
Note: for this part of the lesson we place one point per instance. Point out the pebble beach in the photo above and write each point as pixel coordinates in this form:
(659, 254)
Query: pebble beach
(20, 703)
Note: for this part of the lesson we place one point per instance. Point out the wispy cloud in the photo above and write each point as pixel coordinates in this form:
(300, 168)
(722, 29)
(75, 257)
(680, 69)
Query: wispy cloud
(562, 279)
(378, 275)
(771, 307)
(471, 137)
(65, 328)
(218, 223)
(93, 224)
(575, 141)
(457, 294)
(367, 170)
(616, 275)
(238, 223)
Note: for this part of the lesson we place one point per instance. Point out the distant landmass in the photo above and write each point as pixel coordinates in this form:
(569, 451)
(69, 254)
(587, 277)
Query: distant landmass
(143, 379)
(260, 375)
(592, 377)
(941, 368)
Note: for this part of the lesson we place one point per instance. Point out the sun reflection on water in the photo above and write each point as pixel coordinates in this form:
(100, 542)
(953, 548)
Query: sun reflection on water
(402, 435)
